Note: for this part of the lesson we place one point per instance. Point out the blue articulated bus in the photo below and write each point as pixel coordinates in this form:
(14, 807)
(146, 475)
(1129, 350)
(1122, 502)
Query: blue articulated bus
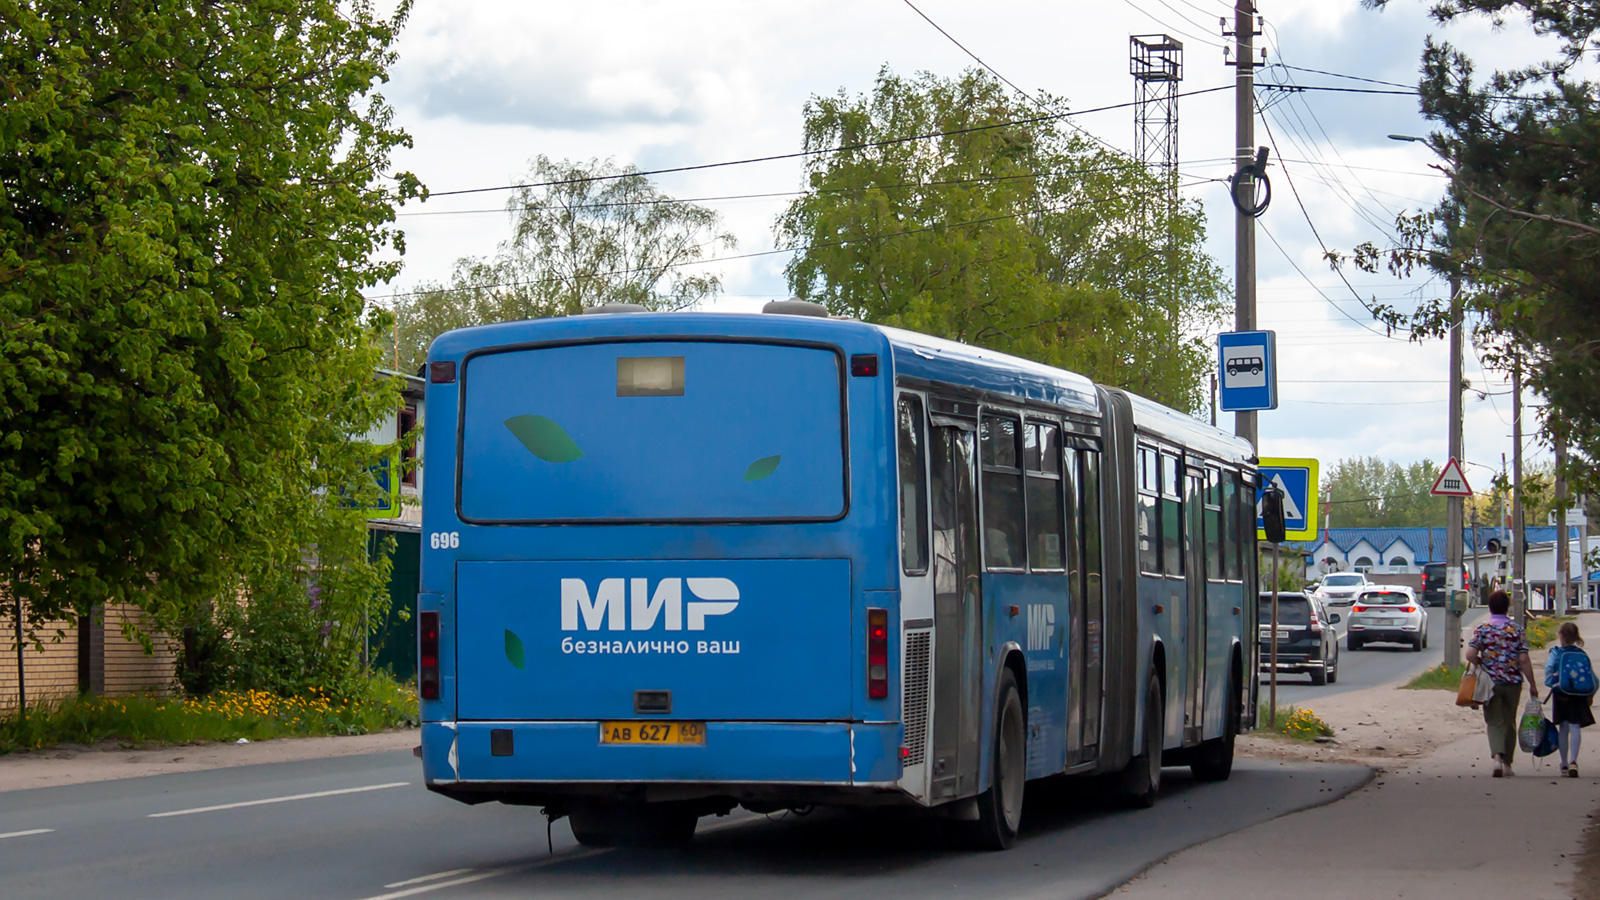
(681, 562)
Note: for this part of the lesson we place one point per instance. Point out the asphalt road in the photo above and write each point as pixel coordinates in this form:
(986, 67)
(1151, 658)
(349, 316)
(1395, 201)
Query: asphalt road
(359, 828)
(1374, 664)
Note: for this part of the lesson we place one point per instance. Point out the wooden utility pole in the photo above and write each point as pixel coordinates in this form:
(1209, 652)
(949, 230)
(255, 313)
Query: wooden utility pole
(1563, 545)
(1519, 587)
(1244, 187)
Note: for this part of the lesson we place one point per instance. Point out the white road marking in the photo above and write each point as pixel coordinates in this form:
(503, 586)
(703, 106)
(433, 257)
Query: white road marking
(422, 878)
(12, 834)
(487, 874)
(357, 790)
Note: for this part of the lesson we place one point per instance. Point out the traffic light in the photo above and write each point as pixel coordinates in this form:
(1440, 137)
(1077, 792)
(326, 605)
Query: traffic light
(1272, 523)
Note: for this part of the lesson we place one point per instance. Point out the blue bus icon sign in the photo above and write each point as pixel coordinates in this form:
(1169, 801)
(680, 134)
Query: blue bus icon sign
(1247, 369)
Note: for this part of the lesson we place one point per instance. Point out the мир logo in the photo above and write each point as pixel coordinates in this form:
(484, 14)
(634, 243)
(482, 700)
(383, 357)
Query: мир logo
(608, 608)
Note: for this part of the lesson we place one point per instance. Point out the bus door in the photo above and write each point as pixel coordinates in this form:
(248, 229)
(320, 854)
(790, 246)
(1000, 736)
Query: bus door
(1195, 613)
(1088, 665)
(958, 606)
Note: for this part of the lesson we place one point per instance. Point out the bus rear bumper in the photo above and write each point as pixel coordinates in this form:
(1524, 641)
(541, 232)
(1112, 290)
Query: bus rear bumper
(560, 753)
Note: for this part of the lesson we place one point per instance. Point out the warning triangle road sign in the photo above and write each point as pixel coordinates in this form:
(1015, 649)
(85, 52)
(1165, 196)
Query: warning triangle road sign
(1452, 482)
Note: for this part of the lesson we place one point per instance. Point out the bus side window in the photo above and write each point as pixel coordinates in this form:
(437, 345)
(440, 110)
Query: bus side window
(1213, 523)
(1231, 550)
(1004, 529)
(1089, 503)
(1042, 460)
(1171, 516)
(1149, 525)
(913, 488)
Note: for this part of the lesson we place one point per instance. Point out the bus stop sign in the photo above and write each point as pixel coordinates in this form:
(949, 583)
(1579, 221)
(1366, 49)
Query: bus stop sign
(1247, 370)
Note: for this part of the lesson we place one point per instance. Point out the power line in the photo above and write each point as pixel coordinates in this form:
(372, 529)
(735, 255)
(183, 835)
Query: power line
(761, 253)
(1280, 65)
(887, 142)
(1304, 212)
(656, 201)
(1290, 260)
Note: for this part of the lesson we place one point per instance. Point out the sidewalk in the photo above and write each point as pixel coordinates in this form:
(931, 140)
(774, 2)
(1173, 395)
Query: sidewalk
(76, 765)
(1433, 824)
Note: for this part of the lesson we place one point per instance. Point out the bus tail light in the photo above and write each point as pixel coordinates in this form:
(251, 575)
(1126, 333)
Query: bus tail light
(877, 653)
(428, 655)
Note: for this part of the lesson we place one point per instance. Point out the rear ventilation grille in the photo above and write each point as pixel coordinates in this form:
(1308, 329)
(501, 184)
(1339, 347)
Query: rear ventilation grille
(914, 709)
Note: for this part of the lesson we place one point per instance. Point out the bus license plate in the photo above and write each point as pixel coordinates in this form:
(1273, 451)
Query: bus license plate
(670, 733)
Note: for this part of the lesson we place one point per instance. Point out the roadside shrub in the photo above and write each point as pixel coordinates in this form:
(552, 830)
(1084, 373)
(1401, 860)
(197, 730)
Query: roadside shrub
(1542, 631)
(223, 715)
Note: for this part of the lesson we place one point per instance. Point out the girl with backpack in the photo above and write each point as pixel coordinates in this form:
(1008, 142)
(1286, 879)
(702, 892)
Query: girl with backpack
(1572, 684)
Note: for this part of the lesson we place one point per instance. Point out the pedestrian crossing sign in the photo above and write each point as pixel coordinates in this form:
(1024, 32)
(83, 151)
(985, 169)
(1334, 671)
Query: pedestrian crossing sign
(1297, 478)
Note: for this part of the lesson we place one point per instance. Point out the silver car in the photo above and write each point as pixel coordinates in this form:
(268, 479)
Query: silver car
(1388, 613)
(1341, 588)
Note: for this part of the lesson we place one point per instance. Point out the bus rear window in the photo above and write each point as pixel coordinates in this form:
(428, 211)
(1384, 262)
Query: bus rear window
(652, 431)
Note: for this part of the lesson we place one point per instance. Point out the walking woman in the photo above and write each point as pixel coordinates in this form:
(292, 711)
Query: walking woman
(1570, 711)
(1500, 649)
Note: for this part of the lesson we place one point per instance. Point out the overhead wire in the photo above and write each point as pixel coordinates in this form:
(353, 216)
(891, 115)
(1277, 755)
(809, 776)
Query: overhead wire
(657, 201)
(773, 252)
(800, 154)
(1314, 233)
(996, 73)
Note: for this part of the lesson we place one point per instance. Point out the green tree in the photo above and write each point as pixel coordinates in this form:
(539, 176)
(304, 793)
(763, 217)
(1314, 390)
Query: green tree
(194, 197)
(583, 234)
(1006, 230)
(1368, 492)
(1522, 225)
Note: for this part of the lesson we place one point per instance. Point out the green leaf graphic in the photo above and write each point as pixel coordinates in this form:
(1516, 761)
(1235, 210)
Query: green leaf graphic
(762, 468)
(513, 649)
(544, 438)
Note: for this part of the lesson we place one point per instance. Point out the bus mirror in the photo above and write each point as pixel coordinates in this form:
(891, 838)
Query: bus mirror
(1272, 524)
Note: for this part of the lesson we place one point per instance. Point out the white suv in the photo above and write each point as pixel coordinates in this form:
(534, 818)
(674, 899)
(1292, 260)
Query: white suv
(1340, 588)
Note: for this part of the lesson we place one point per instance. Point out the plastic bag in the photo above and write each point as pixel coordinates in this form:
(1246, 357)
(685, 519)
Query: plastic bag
(1531, 729)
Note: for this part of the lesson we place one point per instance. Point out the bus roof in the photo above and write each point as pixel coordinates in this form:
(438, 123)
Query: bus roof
(917, 356)
(1152, 418)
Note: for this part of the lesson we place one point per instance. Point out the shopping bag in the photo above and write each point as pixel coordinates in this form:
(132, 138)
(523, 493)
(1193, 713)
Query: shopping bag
(1549, 740)
(1469, 686)
(1531, 728)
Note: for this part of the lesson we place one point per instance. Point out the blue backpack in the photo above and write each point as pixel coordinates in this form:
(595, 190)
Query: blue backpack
(1574, 673)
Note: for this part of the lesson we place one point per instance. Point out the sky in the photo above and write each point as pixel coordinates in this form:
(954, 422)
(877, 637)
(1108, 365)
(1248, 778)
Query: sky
(485, 85)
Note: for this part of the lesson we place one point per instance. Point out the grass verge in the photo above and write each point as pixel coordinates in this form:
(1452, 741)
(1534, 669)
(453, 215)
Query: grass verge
(222, 716)
(1438, 678)
(1542, 631)
(1293, 723)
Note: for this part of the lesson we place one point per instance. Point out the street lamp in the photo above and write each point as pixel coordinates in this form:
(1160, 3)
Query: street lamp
(1453, 505)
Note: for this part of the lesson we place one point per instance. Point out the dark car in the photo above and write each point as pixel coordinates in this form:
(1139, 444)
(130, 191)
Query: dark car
(1307, 641)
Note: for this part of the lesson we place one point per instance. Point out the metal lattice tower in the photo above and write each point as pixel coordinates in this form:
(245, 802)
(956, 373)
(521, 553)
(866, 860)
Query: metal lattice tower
(1156, 63)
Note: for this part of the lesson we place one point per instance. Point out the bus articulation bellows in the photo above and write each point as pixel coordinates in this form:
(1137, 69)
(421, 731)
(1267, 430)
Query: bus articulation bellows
(681, 562)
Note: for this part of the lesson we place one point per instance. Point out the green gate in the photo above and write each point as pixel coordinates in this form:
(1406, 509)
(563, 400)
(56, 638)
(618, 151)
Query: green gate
(393, 644)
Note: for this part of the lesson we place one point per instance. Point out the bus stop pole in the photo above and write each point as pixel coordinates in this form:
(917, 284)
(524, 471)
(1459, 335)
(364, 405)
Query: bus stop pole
(1272, 695)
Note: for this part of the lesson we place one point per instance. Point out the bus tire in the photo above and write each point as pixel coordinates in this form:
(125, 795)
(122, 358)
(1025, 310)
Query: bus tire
(591, 826)
(1000, 807)
(1141, 780)
(1213, 760)
(633, 824)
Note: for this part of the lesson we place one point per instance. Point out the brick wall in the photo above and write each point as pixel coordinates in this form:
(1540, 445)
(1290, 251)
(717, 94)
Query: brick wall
(119, 666)
(51, 674)
(127, 669)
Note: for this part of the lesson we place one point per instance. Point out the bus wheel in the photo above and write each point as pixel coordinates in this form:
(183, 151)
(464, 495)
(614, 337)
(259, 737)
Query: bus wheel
(633, 824)
(591, 825)
(1142, 779)
(1000, 807)
(1214, 761)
